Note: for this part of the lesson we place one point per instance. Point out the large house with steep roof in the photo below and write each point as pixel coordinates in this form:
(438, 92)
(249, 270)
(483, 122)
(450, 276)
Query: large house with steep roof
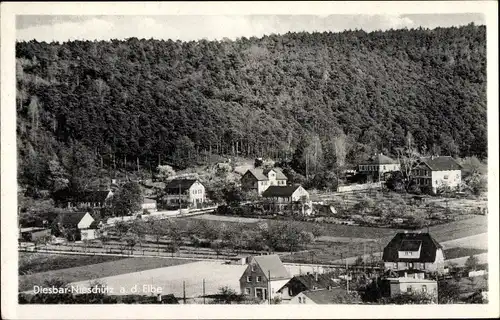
(188, 191)
(436, 172)
(263, 277)
(259, 179)
(413, 251)
(378, 166)
(288, 199)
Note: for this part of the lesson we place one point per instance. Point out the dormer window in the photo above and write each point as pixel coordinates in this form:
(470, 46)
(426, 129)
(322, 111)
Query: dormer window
(253, 268)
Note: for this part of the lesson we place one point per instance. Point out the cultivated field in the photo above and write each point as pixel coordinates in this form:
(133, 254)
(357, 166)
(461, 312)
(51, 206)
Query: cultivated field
(97, 270)
(479, 241)
(31, 262)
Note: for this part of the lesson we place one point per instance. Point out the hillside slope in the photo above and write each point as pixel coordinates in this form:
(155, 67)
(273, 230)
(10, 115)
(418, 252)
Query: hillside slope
(123, 103)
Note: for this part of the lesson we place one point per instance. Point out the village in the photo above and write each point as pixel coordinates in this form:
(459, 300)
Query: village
(271, 241)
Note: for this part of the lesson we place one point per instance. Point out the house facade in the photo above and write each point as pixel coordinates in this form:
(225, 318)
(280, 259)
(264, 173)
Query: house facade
(436, 172)
(409, 285)
(148, 204)
(378, 166)
(187, 191)
(288, 199)
(414, 251)
(91, 199)
(264, 277)
(259, 179)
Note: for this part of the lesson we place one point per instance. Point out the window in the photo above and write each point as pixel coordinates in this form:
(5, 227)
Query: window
(259, 278)
(300, 300)
(445, 177)
(395, 265)
(247, 291)
(249, 279)
(424, 288)
(410, 265)
(408, 289)
(290, 292)
(253, 268)
(304, 300)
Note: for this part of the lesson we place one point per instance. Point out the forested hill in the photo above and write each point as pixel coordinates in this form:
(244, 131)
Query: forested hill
(142, 99)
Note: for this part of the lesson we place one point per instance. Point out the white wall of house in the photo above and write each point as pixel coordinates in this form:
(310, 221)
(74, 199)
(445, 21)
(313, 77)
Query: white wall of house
(262, 186)
(409, 254)
(450, 178)
(151, 206)
(86, 221)
(197, 193)
(299, 193)
(275, 285)
(415, 286)
(88, 234)
(301, 299)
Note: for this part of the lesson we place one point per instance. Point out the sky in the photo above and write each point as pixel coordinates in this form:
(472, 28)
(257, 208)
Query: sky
(212, 27)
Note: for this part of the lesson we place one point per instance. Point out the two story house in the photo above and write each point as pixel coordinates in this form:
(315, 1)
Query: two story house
(259, 180)
(378, 166)
(288, 199)
(189, 191)
(414, 251)
(435, 172)
(263, 277)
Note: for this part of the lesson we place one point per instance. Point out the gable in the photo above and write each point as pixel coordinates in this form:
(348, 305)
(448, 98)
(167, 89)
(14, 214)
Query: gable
(86, 221)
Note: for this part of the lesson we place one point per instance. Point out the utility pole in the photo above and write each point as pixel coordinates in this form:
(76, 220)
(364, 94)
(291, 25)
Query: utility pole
(347, 274)
(184, 291)
(269, 285)
(203, 291)
(180, 192)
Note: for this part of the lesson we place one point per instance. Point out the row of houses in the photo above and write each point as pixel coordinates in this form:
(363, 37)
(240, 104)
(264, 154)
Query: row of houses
(409, 259)
(432, 172)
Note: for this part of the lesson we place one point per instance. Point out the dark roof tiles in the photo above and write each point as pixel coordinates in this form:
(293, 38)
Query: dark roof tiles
(279, 191)
(427, 252)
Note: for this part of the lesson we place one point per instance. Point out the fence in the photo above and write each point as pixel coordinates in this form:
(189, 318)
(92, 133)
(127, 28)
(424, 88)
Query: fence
(359, 187)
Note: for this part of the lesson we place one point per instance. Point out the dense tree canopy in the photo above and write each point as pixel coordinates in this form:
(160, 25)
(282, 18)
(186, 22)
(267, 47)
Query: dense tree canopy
(85, 104)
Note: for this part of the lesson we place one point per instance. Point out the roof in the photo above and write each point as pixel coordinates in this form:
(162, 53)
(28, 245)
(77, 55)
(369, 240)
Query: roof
(91, 196)
(381, 159)
(441, 163)
(271, 264)
(71, 218)
(410, 240)
(410, 245)
(280, 191)
(183, 184)
(309, 280)
(32, 229)
(261, 174)
(410, 280)
(332, 296)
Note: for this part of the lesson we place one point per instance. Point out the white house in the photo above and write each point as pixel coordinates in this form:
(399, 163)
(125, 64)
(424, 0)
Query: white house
(259, 179)
(401, 285)
(435, 172)
(190, 191)
(378, 165)
(288, 198)
(413, 251)
(148, 204)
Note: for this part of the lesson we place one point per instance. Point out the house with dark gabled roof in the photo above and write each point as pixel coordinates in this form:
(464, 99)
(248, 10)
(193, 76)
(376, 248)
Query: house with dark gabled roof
(77, 225)
(413, 251)
(187, 191)
(288, 199)
(260, 179)
(263, 277)
(305, 282)
(377, 166)
(335, 295)
(435, 172)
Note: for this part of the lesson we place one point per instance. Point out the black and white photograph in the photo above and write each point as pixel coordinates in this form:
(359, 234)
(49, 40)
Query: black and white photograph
(261, 160)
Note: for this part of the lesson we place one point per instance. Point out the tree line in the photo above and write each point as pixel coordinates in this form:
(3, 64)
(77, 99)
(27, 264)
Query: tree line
(88, 107)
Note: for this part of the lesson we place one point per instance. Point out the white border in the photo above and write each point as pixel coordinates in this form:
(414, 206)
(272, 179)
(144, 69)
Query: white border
(11, 310)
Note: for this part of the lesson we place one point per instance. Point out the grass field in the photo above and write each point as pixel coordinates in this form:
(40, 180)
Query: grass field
(479, 241)
(30, 263)
(460, 229)
(454, 253)
(172, 279)
(97, 270)
(226, 218)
